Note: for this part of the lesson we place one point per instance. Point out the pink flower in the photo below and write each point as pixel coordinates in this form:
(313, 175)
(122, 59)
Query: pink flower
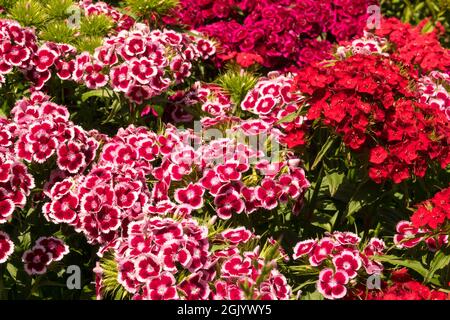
(237, 236)
(303, 247)
(268, 193)
(228, 203)
(407, 236)
(192, 195)
(332, 285)
(36, 260)
(6, 247)
(348, 262)
(162, 287)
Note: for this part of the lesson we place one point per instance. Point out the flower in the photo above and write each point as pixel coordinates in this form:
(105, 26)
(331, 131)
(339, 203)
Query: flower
(303, 247)
(332, 284)
(348, 262)
(192, 195)
(36, 260)
(6, 247)
(162, 287)
(406, 236)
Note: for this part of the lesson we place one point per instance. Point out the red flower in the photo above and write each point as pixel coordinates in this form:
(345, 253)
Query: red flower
(246, 59)
(378, 155)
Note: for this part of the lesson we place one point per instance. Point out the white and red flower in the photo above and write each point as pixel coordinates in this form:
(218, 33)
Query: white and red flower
(6, 247)
(36, 260)
(347, 261)
(147, 267)
(56, 247)
(268, 193)
(162, 287)
(332, 285)
(237, 236)
(303, 247)
(192, 195)
(228, 203)
(407, 235)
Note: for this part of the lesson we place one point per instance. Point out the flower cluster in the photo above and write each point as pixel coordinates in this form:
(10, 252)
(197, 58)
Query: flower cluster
(403, 287)
(433, 89)
(42, 129)
(275, 33)
(272, 101)
(428, 224)
(372, 106)
(17, 48)
(121, 21)
(45, 251)
(413, 47)
(141, 63)
(158, 249)
(340, 261)
(15, 181)
(115, 190)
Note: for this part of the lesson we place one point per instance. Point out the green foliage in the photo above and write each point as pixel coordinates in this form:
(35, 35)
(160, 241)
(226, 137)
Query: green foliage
(50, 19)
(95, 25)
(88, 43)
(146, 8)
(29, 13)
(237, 82)
(110, 287)
(58, 9)
(58, 32)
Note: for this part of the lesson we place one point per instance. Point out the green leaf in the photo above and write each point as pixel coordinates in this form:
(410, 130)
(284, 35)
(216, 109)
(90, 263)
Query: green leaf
(316, 295)
(12, 271)
(159, 109)
(440, 260)
(289, 118)
(334, 180)
(366, 194)
(411, 264)
(115, 107)
(101, 93)
(323, 151)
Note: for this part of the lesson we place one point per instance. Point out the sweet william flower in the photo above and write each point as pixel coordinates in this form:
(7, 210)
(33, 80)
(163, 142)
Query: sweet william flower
(332, 285)
(6, 247)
